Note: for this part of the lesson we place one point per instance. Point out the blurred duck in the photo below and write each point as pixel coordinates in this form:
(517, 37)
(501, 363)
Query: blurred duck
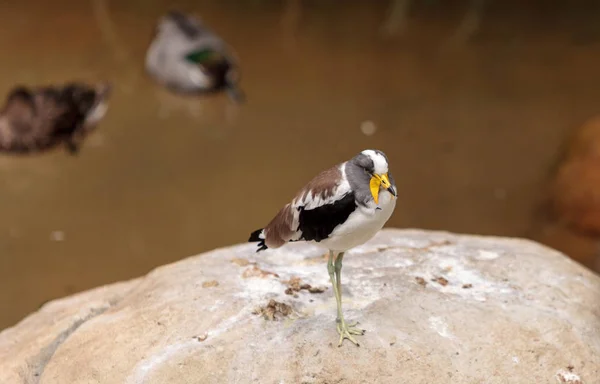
(187, 57)
(38, 119)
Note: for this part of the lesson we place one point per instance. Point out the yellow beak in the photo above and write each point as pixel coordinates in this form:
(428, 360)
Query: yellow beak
(378, 181)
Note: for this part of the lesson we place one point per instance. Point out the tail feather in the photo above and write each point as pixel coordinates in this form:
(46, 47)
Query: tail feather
(259, 236)
(235, 93)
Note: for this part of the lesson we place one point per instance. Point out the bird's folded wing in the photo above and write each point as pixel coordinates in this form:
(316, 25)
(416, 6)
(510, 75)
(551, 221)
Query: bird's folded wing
(324, 203)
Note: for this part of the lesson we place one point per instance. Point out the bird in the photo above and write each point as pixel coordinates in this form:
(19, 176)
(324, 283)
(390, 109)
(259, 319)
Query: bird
(340, 208)
(188, 58)
(37, 119)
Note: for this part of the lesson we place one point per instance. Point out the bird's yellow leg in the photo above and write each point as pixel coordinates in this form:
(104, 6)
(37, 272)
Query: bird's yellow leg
(345, 330)
(331, 270)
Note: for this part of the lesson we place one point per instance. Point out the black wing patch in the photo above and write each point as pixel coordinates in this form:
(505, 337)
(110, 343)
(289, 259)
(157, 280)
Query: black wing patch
(318, 223)
(255, 236)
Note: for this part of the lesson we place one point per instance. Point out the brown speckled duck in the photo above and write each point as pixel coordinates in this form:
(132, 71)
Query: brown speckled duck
(39, 119)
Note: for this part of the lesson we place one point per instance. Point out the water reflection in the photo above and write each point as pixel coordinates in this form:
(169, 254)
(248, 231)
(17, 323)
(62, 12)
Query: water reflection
(471, 132)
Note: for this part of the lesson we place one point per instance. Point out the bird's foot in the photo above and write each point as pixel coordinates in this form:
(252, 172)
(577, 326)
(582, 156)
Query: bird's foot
(347, 330)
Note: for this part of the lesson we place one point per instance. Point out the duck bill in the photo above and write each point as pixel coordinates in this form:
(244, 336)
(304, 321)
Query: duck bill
(236, 94)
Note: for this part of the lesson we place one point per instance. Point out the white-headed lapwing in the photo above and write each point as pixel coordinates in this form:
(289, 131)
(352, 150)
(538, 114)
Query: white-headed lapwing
(341, 208)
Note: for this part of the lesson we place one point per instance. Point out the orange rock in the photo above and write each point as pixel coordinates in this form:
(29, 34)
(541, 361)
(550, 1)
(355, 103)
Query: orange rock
(585, 141)
(576, 188)
(576, 194)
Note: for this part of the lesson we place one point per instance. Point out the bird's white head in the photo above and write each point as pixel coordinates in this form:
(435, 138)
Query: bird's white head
(375, 164)
(380, 163)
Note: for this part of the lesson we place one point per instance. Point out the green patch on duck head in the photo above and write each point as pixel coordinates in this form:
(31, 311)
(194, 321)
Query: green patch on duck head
(203, 56)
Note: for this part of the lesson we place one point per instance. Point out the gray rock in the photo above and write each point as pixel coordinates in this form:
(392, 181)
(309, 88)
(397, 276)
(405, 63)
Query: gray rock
(438, 308)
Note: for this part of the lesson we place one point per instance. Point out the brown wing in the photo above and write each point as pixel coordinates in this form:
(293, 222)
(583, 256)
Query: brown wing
(324, 189)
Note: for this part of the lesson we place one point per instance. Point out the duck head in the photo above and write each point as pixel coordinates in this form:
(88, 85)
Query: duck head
(88, 102)
(177, 22)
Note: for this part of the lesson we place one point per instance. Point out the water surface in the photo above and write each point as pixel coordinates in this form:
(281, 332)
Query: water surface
(471, 130)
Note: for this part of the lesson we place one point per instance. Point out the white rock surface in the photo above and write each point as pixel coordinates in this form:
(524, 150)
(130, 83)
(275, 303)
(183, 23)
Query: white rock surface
(499, 311)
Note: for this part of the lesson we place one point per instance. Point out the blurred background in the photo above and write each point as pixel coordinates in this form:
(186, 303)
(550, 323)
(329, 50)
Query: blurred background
(472, 102)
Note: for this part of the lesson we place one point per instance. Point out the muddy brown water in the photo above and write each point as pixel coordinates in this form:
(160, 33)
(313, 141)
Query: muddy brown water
(471, 130)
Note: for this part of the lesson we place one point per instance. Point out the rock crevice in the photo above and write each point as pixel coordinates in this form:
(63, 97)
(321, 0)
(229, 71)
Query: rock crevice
(37, 364)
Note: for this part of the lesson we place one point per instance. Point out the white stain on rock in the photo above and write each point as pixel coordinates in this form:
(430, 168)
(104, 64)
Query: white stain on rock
(441, 327)
(567, 377)
(487, 255)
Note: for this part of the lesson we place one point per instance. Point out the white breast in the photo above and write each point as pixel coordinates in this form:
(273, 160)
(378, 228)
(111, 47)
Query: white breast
(361, 225)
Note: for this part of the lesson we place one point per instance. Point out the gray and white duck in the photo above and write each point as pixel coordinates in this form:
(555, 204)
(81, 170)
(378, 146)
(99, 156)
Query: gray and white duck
(187, 57)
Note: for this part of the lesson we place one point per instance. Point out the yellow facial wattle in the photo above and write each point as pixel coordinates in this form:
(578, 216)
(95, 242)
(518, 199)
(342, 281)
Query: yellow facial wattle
(378, 181)
(374, 185)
